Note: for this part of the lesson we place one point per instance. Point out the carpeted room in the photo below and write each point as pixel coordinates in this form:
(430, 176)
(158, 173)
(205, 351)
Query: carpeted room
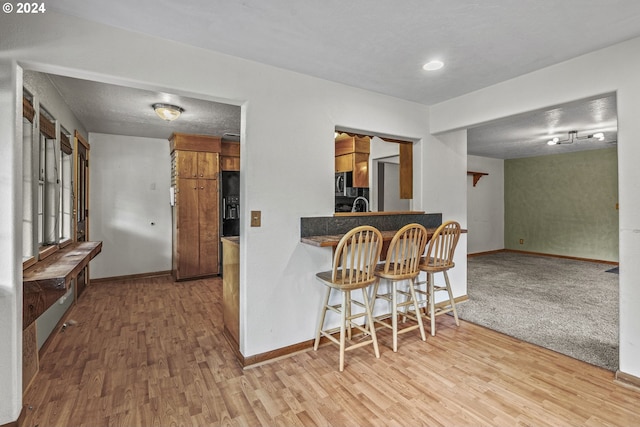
(566, 305)
(562, 204)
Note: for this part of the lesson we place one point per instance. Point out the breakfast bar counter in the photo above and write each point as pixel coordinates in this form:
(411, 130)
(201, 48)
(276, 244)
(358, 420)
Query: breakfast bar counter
(326, 232)
(332, 240)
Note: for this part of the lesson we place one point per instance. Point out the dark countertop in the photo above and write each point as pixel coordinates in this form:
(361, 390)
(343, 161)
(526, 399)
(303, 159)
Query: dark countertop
(332, 240)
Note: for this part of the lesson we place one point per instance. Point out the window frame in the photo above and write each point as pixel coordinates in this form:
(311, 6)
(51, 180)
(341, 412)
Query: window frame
(50, 191)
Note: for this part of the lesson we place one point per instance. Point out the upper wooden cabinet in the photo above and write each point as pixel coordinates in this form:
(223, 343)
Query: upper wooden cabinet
(230, 156)
(352, 155)
(192, 164)
(188, 142)
(346, 144)
(358, 163)
(195, 155)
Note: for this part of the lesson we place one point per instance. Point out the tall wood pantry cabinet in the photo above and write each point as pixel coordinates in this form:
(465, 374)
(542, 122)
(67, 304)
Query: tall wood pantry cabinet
(195, 165)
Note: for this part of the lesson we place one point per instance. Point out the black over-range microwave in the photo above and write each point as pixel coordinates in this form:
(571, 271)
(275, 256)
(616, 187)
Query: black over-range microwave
(344, 182)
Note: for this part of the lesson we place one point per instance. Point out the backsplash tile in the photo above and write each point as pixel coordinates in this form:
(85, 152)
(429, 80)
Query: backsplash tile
(328, 225)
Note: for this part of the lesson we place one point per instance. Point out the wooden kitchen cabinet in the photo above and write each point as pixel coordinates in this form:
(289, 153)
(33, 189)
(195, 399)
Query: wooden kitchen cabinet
(192, 164)
(345, 144)
(230, 156)
(344, 163)
(352, 155)
(358, 163)
(230, 290)
(230, 163)
(196, 214)
(197, 228)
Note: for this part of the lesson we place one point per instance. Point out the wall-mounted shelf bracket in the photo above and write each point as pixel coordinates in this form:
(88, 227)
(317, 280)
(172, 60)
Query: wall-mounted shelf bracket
(476, 176)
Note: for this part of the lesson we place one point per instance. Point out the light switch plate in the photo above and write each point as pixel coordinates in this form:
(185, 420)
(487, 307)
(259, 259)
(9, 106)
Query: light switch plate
(256, 217)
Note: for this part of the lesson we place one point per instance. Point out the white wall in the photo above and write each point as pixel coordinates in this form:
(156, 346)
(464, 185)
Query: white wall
(129, 202)
(392, 200)
(10, 241)
(485, 205)
(383, 151)
(445, 170)
(49, 98)
(614, 69)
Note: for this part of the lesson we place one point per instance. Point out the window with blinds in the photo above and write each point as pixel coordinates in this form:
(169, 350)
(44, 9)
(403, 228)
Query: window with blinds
(47, 180)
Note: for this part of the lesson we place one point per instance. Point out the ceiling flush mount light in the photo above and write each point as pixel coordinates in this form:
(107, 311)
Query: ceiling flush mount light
(167, 112)
(573, 136)
(433, 65)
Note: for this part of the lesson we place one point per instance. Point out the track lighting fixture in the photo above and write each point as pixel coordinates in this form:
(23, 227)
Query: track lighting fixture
(573, 136)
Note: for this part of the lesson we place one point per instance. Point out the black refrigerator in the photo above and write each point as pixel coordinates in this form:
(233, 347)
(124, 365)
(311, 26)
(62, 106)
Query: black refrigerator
(230, 204)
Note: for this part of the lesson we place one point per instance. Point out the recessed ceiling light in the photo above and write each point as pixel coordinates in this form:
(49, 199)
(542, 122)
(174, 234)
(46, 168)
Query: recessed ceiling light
(433, 65)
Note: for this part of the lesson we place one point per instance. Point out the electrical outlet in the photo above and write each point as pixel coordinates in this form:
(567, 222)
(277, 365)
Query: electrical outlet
(522, 241)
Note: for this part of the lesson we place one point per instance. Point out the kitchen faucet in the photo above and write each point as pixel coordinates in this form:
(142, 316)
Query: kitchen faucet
(355, 202)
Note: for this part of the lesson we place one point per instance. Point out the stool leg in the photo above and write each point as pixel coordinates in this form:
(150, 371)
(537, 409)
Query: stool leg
(374, 296)
(347, 308)
(323, 313)
(394, 314)
(451, 300)
(432, 305)
(343, 323)
(417, 308)
(367, 308)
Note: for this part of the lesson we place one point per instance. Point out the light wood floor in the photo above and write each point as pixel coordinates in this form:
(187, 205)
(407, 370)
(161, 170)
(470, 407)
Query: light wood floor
(151, 353)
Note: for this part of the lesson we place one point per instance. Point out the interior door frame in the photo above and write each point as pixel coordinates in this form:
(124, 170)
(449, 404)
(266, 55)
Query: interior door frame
(80, 190)
(79, 140)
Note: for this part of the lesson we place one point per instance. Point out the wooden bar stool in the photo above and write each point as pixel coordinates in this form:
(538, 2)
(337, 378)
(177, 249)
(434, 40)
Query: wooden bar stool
(402, 264)
(439, 259)
(354, 262)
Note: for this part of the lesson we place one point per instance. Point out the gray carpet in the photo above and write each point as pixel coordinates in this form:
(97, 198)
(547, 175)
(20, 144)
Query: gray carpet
(565, 305)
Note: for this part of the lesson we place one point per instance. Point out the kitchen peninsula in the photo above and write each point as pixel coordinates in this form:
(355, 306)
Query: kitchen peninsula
(326, 232)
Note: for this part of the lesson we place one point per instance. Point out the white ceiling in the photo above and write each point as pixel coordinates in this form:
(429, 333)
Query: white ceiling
(381, 45)
(526, 135)
(111, 109)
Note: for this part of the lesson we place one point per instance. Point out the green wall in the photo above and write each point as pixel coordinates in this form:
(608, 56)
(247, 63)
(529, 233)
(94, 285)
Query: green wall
(563, 204)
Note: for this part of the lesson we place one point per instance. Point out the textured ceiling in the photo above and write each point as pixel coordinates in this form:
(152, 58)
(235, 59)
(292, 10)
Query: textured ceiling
(526, 135)
(381, 45)
(111, 109)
